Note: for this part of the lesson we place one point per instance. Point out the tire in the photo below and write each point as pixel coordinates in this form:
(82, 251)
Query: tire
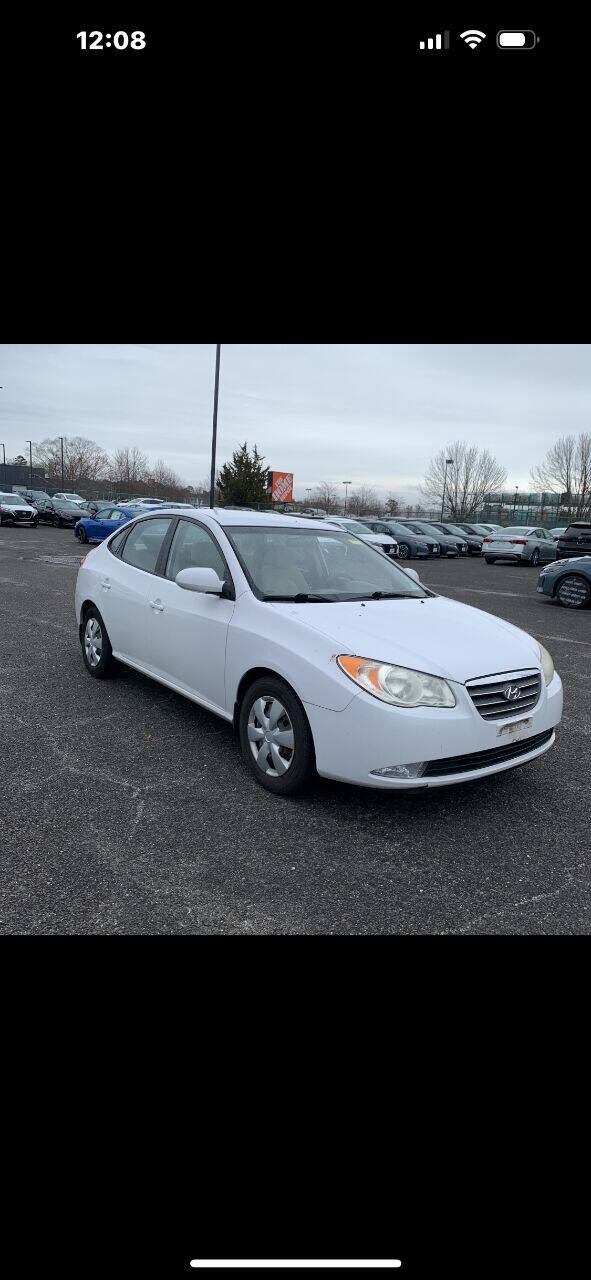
(57, 524)
(81, 535)
(96, 646)
(489, 559)
(292, 725)
(570, 582)
(535, 560)
(405, 552)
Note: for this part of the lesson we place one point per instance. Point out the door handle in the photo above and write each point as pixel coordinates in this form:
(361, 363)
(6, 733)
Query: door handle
(156, 606)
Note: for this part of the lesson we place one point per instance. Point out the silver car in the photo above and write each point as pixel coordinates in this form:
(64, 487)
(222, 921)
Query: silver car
(523, 545)
(385, 542)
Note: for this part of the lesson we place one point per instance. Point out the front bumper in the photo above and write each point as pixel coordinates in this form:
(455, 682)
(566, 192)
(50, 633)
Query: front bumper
(369, 735)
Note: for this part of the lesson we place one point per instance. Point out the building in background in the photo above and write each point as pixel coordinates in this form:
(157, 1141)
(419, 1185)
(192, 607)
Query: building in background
(19, 475)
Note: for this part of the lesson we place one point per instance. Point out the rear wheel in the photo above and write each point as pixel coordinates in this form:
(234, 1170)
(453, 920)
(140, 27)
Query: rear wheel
(489, 559)
(405, 553)
(81, 535)
(276, 738)
(535, 560)
(96, 646)
(574, 592)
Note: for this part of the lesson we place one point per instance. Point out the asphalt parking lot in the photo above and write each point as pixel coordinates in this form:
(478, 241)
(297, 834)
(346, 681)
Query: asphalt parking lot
(125, 809)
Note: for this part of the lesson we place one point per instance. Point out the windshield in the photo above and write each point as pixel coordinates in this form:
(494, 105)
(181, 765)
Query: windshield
(10, 500)
(318, 566)
(522, 532)
(455, 529)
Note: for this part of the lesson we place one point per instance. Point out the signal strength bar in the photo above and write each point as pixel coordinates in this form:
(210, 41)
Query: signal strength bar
(435, 42)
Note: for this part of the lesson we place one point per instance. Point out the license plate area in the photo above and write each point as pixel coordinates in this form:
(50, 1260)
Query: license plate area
(517, 729)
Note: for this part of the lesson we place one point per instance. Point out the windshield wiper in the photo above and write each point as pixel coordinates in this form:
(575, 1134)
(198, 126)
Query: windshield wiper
(302, 598)
(387, 595)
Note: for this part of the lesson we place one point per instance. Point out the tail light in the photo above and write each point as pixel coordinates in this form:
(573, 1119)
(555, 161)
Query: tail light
(519, 542)
(83, 562)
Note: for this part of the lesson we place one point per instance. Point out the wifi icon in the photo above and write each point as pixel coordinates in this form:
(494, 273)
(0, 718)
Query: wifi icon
(473, 38)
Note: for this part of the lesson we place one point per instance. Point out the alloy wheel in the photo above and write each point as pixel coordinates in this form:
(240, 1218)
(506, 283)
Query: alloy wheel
(271, 737)
(93, 642)
(404, 551)
(535, 558)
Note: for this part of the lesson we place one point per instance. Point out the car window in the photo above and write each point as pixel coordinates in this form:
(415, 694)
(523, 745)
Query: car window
(194, 548)
(145, 543)
(117, 542)
(117, 516)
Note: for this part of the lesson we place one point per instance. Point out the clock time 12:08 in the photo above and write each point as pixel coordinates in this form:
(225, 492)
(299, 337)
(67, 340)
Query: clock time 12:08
(119, 40)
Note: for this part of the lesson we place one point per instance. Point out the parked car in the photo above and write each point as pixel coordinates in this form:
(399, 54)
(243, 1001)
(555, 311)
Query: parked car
(147, 503)
(447, 546)
(62, 514)
(479, 530)
(568, 582)
(69, 497)
(14, 510)
(38, 498)
(386, 543)
(412, 546)
(325, 656)
(575, 541)
(474, 541)
(523, 545)
(95, 528)
(99, 504)
(557, 533)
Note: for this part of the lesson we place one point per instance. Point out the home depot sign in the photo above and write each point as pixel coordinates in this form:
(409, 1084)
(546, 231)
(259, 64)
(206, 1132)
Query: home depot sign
(280, 486)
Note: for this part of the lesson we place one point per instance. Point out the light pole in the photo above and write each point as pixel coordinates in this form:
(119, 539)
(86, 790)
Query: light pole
(30, 444)
(308, 491)
(515, 500)
(4, 449)
(62, 440)
(214, 443)
(347, 484)
(449, 463)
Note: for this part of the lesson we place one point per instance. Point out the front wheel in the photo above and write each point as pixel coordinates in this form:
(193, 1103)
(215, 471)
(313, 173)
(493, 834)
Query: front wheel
(574, 592)
(276, 738)
(489, 559)
(81, 535)
(404, 551)
(535, 560)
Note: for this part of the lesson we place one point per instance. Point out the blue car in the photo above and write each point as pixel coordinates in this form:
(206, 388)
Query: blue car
(106, 521)
(568, 582)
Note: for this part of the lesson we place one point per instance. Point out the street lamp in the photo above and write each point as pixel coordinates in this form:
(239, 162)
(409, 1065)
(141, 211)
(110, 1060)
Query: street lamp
(308, 491)
(4, 449)
(347, 484)
(515, 500)
(449, 463)
(30, 444)
(214, 443)
(62, 440)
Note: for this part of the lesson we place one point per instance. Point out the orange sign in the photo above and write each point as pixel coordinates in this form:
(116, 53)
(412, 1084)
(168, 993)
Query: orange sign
(281, 486)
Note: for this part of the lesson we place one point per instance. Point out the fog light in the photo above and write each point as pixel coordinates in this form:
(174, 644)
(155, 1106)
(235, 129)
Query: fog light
(400, 771)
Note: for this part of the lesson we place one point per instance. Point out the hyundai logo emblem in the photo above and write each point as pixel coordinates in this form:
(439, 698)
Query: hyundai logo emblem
(512, 693)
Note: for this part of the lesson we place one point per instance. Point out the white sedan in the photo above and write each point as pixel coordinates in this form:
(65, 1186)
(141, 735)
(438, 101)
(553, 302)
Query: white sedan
(323, 653)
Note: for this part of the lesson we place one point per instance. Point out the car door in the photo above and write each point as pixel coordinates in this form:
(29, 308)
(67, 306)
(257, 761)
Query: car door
(188, 632)
(128, 584)
(546, 544)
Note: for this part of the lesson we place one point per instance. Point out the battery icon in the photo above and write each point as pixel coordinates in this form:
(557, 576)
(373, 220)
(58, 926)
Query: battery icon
(517, 39)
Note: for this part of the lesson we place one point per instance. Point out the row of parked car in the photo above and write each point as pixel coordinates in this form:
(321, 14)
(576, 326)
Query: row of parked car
(67, 510)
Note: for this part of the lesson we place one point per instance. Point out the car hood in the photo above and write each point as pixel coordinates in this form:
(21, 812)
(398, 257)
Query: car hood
(436, 635)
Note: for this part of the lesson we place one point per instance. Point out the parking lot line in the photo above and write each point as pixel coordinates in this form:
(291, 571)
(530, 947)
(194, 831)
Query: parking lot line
(564, 639)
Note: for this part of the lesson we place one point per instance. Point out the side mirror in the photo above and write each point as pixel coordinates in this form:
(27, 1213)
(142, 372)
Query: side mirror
(412, 573)
(204, 582)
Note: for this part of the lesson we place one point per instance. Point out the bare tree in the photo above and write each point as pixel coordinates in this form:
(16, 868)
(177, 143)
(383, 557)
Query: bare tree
(473, 474)
(84, 460)
(326, 496)
(362, 501)
(393, 505)
(566, 470)
(128, 466)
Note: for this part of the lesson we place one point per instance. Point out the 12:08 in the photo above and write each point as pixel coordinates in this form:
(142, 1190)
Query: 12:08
(121, 40)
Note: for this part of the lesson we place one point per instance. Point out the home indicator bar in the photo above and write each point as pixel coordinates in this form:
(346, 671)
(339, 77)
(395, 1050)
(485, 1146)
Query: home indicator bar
(299, 1264)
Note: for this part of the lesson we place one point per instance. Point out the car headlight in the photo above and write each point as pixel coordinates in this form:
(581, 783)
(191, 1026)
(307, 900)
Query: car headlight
(397, 685)
(547, 665)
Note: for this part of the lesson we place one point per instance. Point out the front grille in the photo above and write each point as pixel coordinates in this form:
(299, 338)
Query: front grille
(483, 759)
(492, 704)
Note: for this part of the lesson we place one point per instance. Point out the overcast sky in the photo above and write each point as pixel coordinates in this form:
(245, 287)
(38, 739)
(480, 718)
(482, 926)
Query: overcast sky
(370, 413)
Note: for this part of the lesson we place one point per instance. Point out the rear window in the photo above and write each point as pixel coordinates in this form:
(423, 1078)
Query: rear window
(577, 532)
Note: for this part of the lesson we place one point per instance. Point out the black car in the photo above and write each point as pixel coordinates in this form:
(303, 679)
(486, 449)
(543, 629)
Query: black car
(62, 514)
(474, 540)
(412, 545)
(38, 498)
(575, 542)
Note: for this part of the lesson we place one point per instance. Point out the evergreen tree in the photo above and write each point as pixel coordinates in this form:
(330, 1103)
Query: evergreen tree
(243, 481)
